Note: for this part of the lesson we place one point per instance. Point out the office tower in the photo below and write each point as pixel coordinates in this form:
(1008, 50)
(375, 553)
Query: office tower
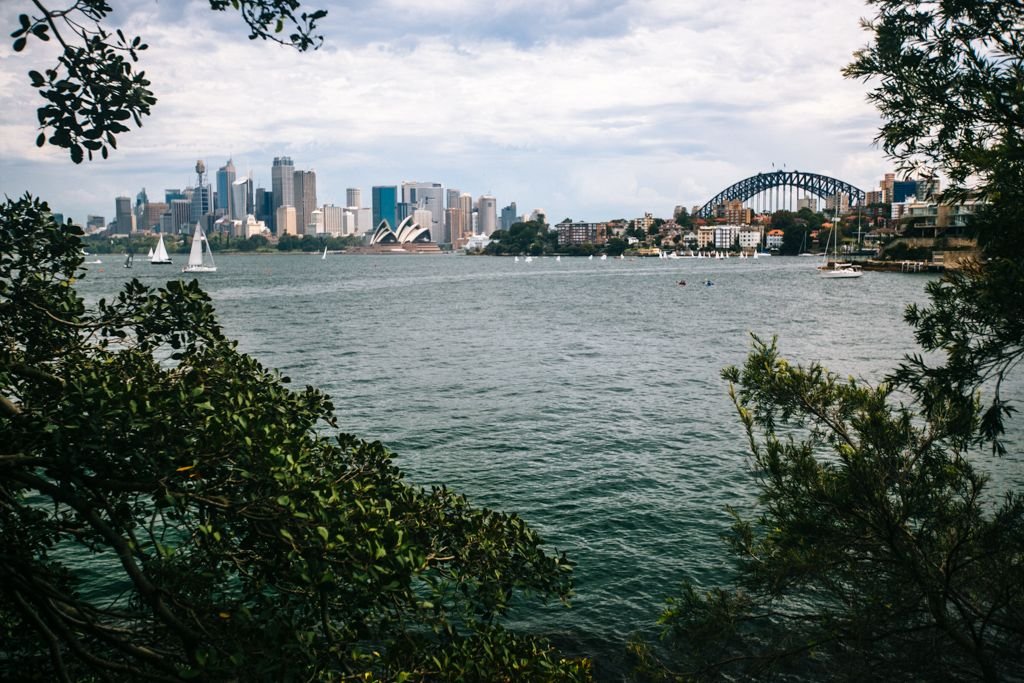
(123, 218)
(263, 205)
(94, 223)
(241, 199)
(508, 216)
(171, 195)
(225, 181)
(428, 196)
(333, 217)
(423, 218)
(149, 217)
(402, 211)
(305, 198)
(465, 205)
(457, 228)
(487, 207)
(451, 198)
(181, 212)
(385, 205)
(353, 197)
(284, 218)
(282, 184)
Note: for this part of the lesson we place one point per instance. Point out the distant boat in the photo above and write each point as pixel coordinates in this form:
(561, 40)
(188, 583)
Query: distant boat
(93, 262)
(604, 257)
(558, 258)
(160, 256)
(200, 258)
(590, 258)
(324, 257)
(517, 259)
(836, 270)
(150, 255)
(528, 259)
(128, 259)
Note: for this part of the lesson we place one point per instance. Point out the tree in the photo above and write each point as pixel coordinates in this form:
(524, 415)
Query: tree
(235, 540)
(878, 550)
(93, 90)
(170, 509)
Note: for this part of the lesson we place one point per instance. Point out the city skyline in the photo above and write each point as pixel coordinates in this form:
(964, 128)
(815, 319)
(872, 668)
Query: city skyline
(589, 110)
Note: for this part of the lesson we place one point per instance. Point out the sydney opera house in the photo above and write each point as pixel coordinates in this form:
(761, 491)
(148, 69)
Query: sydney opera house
(407, 232)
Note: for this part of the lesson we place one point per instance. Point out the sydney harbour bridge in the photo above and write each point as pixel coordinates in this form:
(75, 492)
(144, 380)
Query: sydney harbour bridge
(781, 189)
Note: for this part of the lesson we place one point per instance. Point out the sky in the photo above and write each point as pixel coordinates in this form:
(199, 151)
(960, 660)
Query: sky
(589, 109)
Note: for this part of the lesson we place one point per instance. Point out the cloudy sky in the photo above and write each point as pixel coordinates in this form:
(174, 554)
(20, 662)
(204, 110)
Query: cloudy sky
(592, 109)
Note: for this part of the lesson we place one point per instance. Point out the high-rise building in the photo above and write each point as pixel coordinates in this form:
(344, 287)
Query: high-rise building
(305, 198)
(124, 220)
(282, 183)
(172, 194)
(263, 204)
(457, 226)
(181, 213)
(225, 181)
(487, 207)
(241, 199)
(353, 198)
(94, 223)
(333, 218)
(284, 218)
(429, 196)
(385, 205)
(508, 216)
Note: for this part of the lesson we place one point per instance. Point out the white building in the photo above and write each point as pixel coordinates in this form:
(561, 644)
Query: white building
(750, 239)
(333, 217)
(726, 235)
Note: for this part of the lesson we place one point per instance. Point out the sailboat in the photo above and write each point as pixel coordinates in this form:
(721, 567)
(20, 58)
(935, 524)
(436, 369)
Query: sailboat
(128, 259)
(835, 269)
(160, 256)
(324, 257)
(150, 255)
(199, 254)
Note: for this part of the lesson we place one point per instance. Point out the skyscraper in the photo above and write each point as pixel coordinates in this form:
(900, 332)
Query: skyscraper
(124, 220)
(487, 206)
(241, 198)
(225, 179)
(353, 197)
(305, 198)
(429, 196)
(385, 205)
(282, 184)
(508, 216)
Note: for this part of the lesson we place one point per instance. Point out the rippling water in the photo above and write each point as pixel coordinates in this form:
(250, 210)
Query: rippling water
(583, 395)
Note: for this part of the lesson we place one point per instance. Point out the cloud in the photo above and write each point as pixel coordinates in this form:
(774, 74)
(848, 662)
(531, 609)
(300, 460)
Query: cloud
(587, 108)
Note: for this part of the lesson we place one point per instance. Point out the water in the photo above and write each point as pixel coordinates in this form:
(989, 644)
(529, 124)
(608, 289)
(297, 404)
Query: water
(583, 395)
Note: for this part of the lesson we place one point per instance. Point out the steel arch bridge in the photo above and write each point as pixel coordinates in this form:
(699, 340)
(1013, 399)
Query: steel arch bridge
(812, 183)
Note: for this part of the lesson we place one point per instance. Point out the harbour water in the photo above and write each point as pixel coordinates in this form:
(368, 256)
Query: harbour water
(583, 395)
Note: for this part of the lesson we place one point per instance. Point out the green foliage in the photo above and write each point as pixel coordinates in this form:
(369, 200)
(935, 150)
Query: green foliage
(93, 90)
(948, 86)
(171, 509)
(877, 552)
(526, 238)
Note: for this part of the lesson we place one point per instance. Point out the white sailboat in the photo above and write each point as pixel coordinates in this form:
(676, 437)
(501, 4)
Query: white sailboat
(150, 255)
(836, 269)
(324, 257)
(200, 258)
(160, 256)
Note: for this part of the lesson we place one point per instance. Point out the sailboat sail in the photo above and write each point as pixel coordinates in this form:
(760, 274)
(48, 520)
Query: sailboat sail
(200, 258)
(160, 256)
